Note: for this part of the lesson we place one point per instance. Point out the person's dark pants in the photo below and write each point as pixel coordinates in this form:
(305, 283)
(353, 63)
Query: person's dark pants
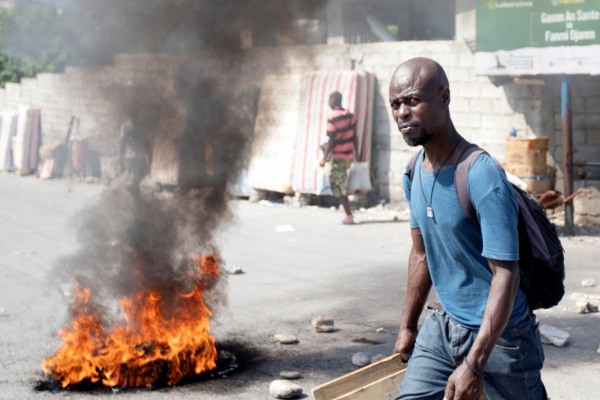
(512, 371)
(138, 169)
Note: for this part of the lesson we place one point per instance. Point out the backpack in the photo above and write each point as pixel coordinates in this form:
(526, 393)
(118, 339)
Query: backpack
(541, 259)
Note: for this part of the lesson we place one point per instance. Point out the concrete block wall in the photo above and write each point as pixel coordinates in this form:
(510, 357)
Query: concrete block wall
(81, 92)
(482, 112)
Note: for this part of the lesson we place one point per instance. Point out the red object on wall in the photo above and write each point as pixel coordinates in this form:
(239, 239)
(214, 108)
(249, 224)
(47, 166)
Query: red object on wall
(78, 155)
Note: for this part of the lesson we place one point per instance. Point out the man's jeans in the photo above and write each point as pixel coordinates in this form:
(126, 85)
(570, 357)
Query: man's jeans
(512, 371)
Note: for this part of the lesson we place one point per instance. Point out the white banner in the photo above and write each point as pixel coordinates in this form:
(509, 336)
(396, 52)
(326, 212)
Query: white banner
(532, 61)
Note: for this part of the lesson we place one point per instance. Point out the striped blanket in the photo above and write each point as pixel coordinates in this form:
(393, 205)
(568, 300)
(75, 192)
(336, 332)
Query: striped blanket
(8, 129)
(272, 160)
(357, 89)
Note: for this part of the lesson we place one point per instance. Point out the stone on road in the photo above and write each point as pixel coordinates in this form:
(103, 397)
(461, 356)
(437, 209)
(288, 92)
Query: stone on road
(236, 270)
(291, 375)
(281, 389)
(588, 283)
(552, 335)
(361, 359)
(286, 339)
(323, 324)
(582, 307)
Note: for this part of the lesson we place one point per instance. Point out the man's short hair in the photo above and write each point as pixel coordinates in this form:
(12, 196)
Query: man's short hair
(336, 97)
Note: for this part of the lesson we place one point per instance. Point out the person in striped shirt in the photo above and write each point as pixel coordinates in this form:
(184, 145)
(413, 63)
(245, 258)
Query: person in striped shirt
(341, 149)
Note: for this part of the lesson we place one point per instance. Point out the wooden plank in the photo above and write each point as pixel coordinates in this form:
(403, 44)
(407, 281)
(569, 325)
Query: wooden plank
(360, 378)
(383, 389)
(379, 381)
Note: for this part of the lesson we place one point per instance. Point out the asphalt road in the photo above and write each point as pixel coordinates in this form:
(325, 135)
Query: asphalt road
(354, 274)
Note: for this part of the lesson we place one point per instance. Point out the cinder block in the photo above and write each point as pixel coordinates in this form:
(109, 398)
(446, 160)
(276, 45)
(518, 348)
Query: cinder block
(490, 91)
(471, 90)
(13, 89)
(517, 121)
(496, 150)
(593, 137)
(578, 104)
(492, 121)
(474, 120)
(481, 105)
(478, 135)
(501, 107)
(484, 80)
(460, 119)
(557, 104)
(579, 137)
(514, 90)
(593, 105)
(460, 104)
(586, 121)
(522, 105)
(372, 59)
(557, 121)
(466, 59)
(409, 54)
(586, 153)
(447, 61)
(383, 74)
(333, 61)
(586, 86)
(391, 58)
(557, 137)
(458, 74)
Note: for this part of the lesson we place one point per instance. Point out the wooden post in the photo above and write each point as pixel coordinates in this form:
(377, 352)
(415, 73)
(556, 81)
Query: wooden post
(567, 136)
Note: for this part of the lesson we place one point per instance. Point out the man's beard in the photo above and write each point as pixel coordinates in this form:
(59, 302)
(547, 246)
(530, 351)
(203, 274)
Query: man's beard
(423, 138)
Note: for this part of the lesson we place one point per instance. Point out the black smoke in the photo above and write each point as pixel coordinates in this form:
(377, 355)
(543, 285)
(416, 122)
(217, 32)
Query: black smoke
(104, 28)
(141, 235)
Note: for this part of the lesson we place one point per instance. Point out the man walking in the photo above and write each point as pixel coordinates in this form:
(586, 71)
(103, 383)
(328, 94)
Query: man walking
(135, 153)
(480, 334)
(342, 148)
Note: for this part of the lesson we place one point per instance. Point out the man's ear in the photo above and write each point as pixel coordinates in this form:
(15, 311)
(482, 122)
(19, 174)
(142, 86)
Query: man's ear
(445, 96)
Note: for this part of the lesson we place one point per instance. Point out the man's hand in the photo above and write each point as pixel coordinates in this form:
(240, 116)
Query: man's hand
(322, 163)
(463, 385)
(406, 343)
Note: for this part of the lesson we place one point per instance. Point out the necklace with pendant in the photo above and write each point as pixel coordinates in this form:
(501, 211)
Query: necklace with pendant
(429, 203)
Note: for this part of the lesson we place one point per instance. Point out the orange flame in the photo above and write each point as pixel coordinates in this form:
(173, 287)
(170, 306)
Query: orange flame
(145, 347)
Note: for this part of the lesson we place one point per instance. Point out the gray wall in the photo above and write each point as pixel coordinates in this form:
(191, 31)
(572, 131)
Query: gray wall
(482, 112)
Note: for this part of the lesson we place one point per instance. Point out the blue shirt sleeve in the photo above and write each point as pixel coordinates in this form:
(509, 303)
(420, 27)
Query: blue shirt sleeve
(497, 209)
(406, 183)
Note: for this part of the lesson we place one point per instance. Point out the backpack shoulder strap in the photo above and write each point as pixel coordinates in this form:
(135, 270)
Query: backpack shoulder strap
(410, 171)
(461, 173)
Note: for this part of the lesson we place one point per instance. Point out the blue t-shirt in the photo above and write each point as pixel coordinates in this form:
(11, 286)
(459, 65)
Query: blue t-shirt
(457, 251)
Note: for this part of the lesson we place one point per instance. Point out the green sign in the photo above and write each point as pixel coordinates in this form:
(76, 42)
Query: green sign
(568, 30)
